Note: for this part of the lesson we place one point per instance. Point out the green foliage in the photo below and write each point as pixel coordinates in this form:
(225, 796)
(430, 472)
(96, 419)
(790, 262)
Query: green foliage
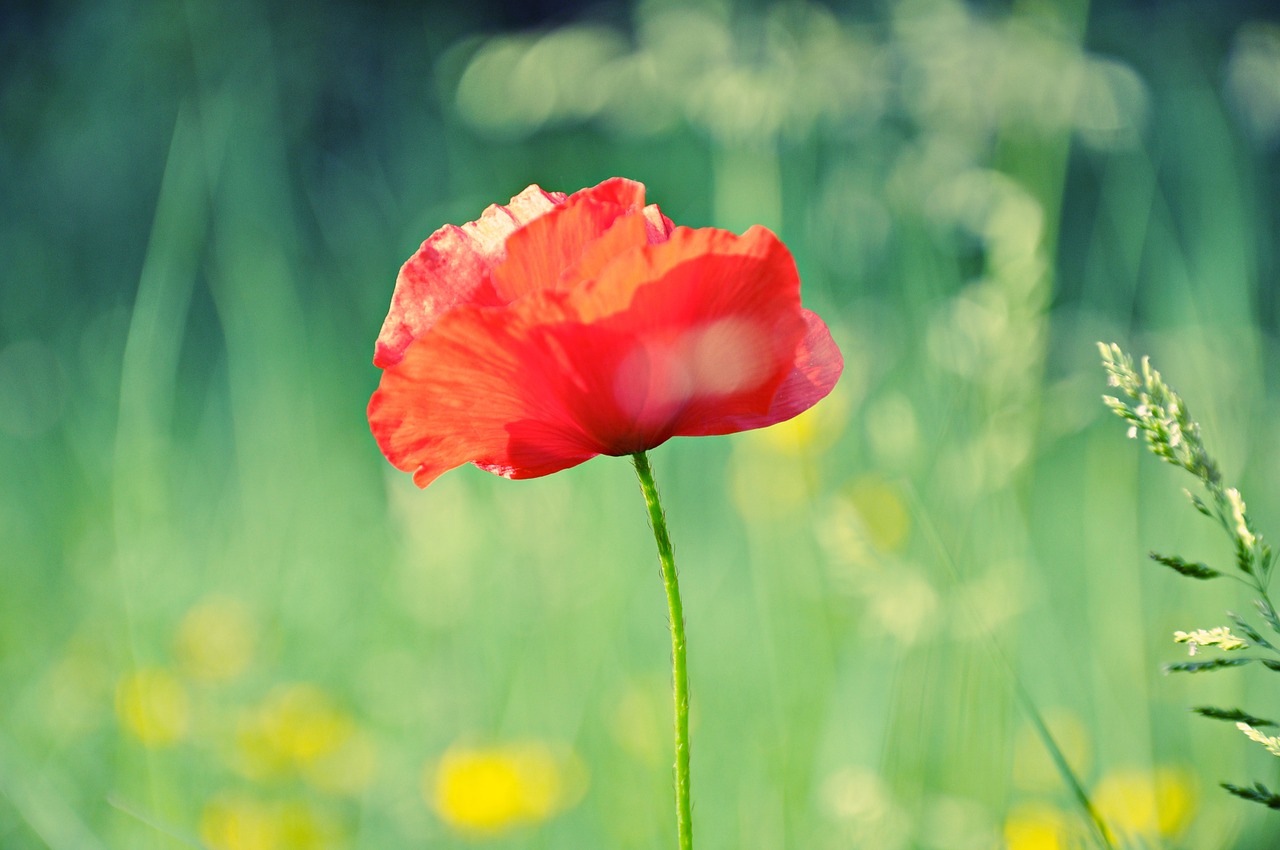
(1205, 666)
(1255, 637)
(1161, 416)
(1257, 793)
(1234, 715)
(1186, 568)
(1268, 612)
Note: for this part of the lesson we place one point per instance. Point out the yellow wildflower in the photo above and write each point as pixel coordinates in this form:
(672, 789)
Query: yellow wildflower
(1036, 826)
(1146, 803)
(495, 789)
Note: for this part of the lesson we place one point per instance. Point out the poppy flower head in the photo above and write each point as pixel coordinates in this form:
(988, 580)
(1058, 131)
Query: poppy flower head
(562, 327)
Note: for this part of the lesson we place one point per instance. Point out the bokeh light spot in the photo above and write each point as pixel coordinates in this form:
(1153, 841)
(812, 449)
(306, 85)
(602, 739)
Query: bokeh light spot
(297, 729)
(495, 789)
(1036, 826)
(884, 514)
(153, 706)
(1146, 803)
(216, 638)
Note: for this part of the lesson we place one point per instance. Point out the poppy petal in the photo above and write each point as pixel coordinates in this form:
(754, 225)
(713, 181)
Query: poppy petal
(452, 268)
(483, 386)
(703, 326)
(659, 225)
(545, 253)
(766, 266)
(816, 369)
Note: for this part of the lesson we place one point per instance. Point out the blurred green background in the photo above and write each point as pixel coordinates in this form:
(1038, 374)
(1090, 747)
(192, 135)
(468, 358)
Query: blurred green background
(225, 621)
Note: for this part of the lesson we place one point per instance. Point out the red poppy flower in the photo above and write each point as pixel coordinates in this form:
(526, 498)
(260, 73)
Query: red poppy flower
(559, 328)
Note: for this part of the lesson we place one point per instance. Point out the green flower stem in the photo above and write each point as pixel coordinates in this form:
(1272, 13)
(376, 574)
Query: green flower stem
(679, 670)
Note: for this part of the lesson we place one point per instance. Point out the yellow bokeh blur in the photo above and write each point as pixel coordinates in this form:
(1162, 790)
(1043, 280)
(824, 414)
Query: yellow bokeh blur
(1036, 826)
(774, 469)
(883, 512)
(302, 826)
(347, 769)
(237, 821)
(813, 431)
(639, 720)
(1137, 802)
(299, 730)
(153, 706)
(494, 789)
(216, 639)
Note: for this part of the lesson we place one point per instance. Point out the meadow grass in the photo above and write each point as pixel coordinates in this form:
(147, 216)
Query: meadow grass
(225, 620)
